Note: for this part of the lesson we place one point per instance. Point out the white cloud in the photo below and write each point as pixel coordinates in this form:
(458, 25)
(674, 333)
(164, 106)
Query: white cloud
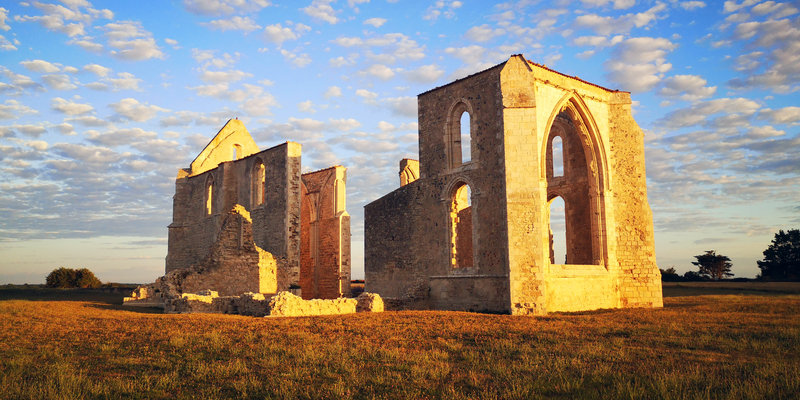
(87, 43)
(333, 91)
(39, 66)
(278, 33)
(394, 46)
(425, 74)
(622, 24)
(379, 71)
(120, 137)
(691, 5)
(785, 115)
(131, 41)
(639, 63)
(687, 87)
(306, 106)
(321, 10)
(133, 110)
(700, 112)
(300, 60)
(58, 82)
(366, 95)
(223, 76)
(376, 22)
(89, 120)
(483, 33)
(774, 65)
(403, 106)
(5, 45)
(224, 7)
(236, 23)
(618, 4)
(70, 107)
(597, 41)
(466, 54)
(3, 17)
(124, 81)
(442, 8)
(731, 6)
(341, 61)
(97, 69)
(13, 109)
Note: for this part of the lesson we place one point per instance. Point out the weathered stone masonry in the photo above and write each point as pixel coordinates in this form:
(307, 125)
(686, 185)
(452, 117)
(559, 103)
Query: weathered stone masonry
(246, 220)
(472, 231)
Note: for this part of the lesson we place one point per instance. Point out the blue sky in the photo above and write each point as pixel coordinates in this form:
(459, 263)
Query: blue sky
(102, 102)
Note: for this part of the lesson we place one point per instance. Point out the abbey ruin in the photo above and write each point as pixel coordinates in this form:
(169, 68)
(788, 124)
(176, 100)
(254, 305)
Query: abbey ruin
(247, 221)
(470, 230)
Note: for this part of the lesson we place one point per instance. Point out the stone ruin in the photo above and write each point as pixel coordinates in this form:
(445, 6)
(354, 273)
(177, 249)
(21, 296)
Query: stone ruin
(247, 226)
(469, 227)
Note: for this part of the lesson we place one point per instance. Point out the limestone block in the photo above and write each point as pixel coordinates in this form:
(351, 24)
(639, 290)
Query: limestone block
(369, 302)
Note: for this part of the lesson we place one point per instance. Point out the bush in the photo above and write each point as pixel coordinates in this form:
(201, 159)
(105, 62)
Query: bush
(72, 278)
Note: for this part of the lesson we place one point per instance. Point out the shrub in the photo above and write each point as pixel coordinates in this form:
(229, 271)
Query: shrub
(72, 278)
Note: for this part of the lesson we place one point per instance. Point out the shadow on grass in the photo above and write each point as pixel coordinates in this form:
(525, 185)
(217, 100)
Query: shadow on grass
(38, 293)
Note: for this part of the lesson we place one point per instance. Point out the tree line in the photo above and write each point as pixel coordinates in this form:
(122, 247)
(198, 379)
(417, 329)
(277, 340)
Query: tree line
(781, 262)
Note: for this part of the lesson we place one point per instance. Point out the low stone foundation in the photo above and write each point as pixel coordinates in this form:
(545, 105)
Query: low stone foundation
(284, 304)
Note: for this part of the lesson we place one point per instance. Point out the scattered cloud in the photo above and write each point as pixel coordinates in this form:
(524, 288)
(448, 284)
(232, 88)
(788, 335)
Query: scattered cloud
(375, 22)
(687, 87)
(13, 109)
(483, 33)
(333, 91)
(278, 33)
(70, 107)
(131, 109)
(425, 74)
(379, 71)
(605, 25)
(40, 66)
(224, 7)
(130, 41)
(322, 10)
(235, 23)
(638, 64)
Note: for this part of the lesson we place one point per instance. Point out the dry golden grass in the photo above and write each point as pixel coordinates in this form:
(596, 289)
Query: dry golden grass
(695, 347)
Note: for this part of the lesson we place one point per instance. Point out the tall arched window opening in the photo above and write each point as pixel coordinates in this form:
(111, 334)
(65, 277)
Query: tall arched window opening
(466, 138)
(209, 195)
(461, 227)
(577, 186)
(259, 184)
(558, 231)
(558, 156)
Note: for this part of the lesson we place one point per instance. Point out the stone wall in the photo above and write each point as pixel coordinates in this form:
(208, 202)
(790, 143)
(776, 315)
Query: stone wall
(414, 254)
(325, 235)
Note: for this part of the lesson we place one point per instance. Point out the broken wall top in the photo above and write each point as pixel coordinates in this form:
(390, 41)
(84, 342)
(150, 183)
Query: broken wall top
(232, 142)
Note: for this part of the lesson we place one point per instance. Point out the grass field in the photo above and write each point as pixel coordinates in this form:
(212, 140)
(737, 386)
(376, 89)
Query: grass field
(82, 344)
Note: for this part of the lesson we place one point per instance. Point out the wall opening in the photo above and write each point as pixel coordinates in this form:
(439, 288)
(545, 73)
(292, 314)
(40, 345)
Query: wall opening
(461, 227)
(237, 151)
(259, 184)
(558, 231)
(574, 188)
(465, 137)
(209, 195)
(558, 156)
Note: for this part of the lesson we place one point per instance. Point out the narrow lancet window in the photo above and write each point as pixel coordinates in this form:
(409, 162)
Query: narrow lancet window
(558, 156)
(466, 138)
(259, 184)
(209, 196)
(461, 227)
(558, 233)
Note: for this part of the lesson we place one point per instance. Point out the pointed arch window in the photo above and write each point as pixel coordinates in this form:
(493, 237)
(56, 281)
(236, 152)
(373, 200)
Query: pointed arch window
(461, 227)
(259, 177)
(209, 195)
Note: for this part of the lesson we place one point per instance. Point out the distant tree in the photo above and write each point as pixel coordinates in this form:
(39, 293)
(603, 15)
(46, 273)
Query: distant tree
(72, 278)
(782, 258)
(86, 279)
(713, 265)
(692, 276)
(669, 275)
